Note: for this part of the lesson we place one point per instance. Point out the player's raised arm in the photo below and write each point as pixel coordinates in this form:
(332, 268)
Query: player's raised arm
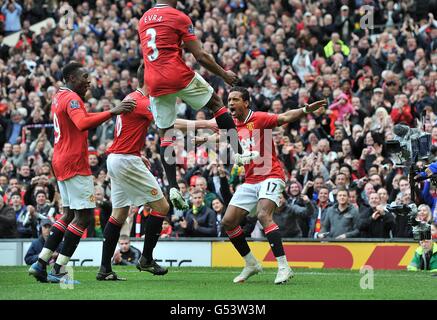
(207, 61)
(293, 115)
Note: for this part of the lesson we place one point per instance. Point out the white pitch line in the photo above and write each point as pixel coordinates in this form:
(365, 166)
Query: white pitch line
(357, 273)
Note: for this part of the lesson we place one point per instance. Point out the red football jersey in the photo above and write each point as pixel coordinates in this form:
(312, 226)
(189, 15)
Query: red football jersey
(253, 136)
(162, 31)
(70, 153)
(131, 128)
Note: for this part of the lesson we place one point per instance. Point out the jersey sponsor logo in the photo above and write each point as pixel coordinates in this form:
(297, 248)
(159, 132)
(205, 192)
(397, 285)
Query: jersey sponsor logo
(74, 104)
(154, 192)
(191, 29)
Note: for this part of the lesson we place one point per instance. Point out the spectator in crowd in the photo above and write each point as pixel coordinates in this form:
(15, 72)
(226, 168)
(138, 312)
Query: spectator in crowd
(341, 220)
(200, 220)
(167, 229)
(37, 184)
(12, 12)
(26, 226)
(18, 155)
(342, 106)
(286, 216)
(43, 209)
(38, 244)
(321, 206)
(13, 132)
(208, 196)
(8, 223)
(102, 212)
(219, 209)
(424, 213)
(126, 255)
(374, 222)
(383, 196)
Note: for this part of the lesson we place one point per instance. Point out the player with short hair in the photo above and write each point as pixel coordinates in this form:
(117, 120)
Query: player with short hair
(132, 184)
(164, 31)
(71, 168)
(264, 180)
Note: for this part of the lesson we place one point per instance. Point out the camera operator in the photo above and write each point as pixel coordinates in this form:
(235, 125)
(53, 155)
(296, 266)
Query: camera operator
(425, 256)
(374, 222)
(402, 228)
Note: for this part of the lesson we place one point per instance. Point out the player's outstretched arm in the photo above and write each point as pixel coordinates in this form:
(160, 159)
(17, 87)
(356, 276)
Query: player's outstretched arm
(295, 114)
(184, 125)
(207, 61)
(84, 121)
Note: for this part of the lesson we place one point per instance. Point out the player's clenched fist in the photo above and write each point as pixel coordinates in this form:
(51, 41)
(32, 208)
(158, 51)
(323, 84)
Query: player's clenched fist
(126, 106)
(231, 78)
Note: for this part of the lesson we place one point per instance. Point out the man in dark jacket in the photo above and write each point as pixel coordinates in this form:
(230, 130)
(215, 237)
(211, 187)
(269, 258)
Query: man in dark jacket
(341, 220)
(286, 217)
(200, 220)
(38, 244)
(8, 224)
(321, 207)
(373, 221)
(126, 255)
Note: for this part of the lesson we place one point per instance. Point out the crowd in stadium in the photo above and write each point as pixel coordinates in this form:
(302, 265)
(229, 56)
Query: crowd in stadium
(286, 53)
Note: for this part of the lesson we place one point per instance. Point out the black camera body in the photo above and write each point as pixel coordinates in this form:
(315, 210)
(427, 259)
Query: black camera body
(399, 210)
(409, 145)
(421, 229)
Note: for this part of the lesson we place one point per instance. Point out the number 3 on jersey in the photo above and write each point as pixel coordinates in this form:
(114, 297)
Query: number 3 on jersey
(152, 44)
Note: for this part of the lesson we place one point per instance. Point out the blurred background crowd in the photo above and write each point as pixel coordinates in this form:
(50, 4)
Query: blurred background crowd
(287, 53)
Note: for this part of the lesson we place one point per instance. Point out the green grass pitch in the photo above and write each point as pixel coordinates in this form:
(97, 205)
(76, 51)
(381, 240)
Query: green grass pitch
(216, 283)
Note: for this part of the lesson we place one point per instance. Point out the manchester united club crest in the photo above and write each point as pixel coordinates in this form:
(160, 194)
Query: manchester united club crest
(154, 192)
(250, 126)
(92, 198)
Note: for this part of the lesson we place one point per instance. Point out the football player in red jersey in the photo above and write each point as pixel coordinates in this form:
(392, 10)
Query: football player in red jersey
(164, 31)
(132, 184)
(70, 165)
(264, 180)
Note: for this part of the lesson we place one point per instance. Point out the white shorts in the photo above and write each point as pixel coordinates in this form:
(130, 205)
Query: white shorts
(132, 184)
(77, 193)
(196, 94)
(247, 195)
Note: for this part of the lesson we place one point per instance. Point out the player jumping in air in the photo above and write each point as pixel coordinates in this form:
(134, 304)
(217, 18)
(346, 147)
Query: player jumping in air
(264, 180)
(71, 168)
(164, 31)
(132, 184)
